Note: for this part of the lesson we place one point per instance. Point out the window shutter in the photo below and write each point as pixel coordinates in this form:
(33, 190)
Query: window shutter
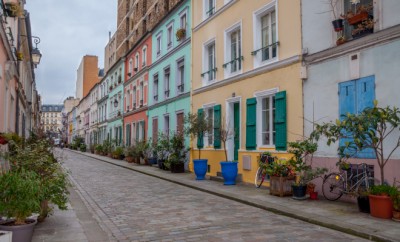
(217, 126)
(200, 140)
(251, 117)
(365, 93)
(280, 121)
(347, 104)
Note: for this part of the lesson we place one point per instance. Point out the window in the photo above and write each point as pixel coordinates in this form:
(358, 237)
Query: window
(134, 97)
(354, 97)
(169, 36)
(179, 123)
(137, 62)
(130, 67)
(181, 76)
(236, 51)
(183, 21)
(158, 45)
(209, 8)
(209, 62)
(155, 88)
(166, 124)
(209, 136)
(265, 36)
(127, 100)
(155, 128)
(166, 82)
(144, 56)
(360, 24)
(267, 120)
(141, 94)
(233, 51)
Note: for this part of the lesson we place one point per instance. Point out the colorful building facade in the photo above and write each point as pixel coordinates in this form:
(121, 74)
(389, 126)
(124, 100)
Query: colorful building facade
(246, 79)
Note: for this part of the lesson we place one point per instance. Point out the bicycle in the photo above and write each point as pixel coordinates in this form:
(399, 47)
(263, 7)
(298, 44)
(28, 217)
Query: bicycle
(265, 158)
(336, 184)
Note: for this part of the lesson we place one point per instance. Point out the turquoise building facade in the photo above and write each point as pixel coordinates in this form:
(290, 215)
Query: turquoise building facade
(169, 75)
(115, 101)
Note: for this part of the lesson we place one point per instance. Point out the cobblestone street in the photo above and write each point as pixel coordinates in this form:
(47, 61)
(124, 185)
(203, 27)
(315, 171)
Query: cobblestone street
(133, 206)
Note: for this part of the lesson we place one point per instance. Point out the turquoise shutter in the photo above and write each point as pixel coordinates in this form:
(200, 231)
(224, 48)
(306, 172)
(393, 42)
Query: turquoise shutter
(347, 104)
(280, 121)
(200, 140)
(217, 126)
(365, 93)
(251, 117)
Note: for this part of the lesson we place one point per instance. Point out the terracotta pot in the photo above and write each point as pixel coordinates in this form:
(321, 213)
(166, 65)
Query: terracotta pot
(357, 18)
(381, 206)
(396, 215)
(314, 195)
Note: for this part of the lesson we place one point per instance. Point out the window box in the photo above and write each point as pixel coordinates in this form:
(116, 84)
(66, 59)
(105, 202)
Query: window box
(180, 34)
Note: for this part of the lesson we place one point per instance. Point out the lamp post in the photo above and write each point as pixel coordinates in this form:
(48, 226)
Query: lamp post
(36, 55)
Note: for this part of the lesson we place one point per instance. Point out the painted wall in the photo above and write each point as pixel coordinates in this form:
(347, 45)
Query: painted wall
(321, 88)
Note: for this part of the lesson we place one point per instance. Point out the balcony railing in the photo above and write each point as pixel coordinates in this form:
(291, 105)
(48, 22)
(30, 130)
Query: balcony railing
(236, 64)
(211, 73)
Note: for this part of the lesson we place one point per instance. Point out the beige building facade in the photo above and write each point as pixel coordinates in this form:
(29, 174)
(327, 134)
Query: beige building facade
(51, 119)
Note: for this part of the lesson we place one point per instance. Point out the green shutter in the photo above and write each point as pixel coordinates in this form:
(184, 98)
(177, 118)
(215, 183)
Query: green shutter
(217, 126)
(251, 117)
(280, 121)
(200, 141)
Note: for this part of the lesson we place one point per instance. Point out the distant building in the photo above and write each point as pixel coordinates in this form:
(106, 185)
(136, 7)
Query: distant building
(51, 119)
(87, 75)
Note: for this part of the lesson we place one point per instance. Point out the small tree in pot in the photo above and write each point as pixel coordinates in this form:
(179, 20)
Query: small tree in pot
(196, 126)
(229, 169)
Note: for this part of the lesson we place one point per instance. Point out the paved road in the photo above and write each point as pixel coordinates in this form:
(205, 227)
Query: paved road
(136, 207)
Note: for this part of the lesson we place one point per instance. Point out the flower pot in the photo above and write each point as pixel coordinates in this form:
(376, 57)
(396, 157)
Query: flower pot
(229, 172)
(340, 41)
(200, 168)
(177, 167)
(396, 215)
(362, 33)
(161, 164)
(281, 186)
(338, 25)
(129, 159)
(363, 204)
(3, 141)
(314, 195)
(299, 192)
(357, 18)
(381, 206)
(20, 233)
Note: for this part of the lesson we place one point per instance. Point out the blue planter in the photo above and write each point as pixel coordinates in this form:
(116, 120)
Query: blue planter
(153, 161)
(200, 168)
(229, 171)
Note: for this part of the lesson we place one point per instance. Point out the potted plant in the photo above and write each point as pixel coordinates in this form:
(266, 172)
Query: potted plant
(20, 196)
(82, 147)
(338, 21)
(163, 150)
(229, 169)
(118, 153)
(340, 40)
(3, 139)
(396, 205)
(150, 153)
(301, 161)
(177, 157)
(357, 13)
(180, 34)
(98, 149)
(363, 28)
(380, 200)
(130, 153)
(281, 177)
(197, 125)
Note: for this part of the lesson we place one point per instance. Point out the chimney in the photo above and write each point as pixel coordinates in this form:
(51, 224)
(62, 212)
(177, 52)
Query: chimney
(109, 35)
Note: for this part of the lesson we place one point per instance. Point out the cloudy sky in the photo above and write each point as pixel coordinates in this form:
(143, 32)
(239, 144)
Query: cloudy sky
(68, 30)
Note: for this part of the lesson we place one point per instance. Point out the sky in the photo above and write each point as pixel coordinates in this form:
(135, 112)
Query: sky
(68, 30)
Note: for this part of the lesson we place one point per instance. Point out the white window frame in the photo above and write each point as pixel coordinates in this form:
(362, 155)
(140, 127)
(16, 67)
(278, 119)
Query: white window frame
(179, 81)
(127, 100)
(205, 78)
(166, 127)
(206, 108)
(260, 96)
(144, 56)
(257, 44)
(167, 82)
(227, 49)
(158, 44)
(155, 87)
(206, 9)
(134, 97)
(181, 14)
(170, 35)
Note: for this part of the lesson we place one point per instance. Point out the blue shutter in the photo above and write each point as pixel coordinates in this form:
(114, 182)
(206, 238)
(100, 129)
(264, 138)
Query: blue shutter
(200, 140)
(347, 104)
(365, 94)
(251, 117)
(217, 126)
(280, 121)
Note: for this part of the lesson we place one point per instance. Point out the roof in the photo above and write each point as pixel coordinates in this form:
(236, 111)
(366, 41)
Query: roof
(52, 108)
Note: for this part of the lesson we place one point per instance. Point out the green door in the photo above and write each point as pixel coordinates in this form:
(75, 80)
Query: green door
(236, 127)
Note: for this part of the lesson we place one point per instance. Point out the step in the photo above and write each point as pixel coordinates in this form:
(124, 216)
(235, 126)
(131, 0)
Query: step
(219, 177)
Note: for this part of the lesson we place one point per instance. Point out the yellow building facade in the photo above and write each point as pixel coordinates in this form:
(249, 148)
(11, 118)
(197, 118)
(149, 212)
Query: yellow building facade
(246, 66)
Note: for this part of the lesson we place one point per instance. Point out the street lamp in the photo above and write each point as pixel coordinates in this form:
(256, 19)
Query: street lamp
(36, 55)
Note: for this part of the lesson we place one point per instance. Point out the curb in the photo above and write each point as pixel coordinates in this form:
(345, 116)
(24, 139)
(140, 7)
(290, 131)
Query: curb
(282, 212)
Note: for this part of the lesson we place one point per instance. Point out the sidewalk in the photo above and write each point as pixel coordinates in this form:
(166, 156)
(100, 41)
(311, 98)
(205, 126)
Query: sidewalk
(340, 216)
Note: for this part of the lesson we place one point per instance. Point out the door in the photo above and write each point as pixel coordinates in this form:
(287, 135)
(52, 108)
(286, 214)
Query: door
(236, 129)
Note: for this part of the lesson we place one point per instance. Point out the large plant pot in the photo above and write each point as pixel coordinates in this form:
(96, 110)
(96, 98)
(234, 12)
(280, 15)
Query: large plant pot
(299, 192)
(363, 204)
(161, 164)
(280, 186)
(178, 168)
(229, 172)
(381, 206)
(396, 215)
(338, 24)
(20, 233)
(152, 161)
(200, 168)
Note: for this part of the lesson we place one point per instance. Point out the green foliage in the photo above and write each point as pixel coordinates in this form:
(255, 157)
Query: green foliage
(131, 152)
(384, 189)
(196, 125)
(82, 147)
(396, 201)
(163, 146)
(99, 149)
(279, 169)
(20, 195)
(369, 129)
(107, 147)
(118, 152)
(178, 151)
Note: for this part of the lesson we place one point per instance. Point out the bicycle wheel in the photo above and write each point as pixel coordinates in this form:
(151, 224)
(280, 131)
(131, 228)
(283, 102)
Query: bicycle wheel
(259, 179)
(332, 186)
